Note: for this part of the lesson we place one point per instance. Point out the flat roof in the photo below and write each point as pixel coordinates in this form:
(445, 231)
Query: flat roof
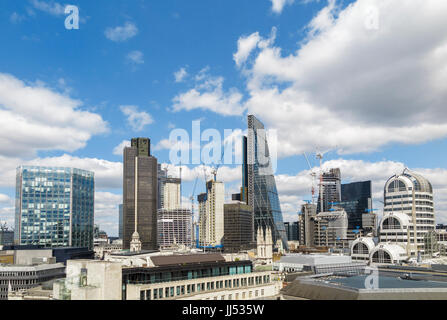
(385, 282)
(179, 259)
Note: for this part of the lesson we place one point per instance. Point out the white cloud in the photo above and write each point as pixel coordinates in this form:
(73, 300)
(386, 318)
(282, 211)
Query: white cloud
(225, 173)
(122, 33)
(180, 75)
(245, 45)
(107, 211)
(208, 94)
(51, 7)
(135, 57)
(136, 119)
(278, 5)
(42, 119)
(4, 198)
(108, 174)
(119, 149)
(351, 87)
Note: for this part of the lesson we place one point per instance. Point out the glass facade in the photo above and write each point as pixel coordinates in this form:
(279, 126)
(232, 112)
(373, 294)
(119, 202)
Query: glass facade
(54, 206)
(356, 200)
(262, 192)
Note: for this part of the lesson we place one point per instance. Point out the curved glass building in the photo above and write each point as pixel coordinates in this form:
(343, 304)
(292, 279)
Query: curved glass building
(262, 194)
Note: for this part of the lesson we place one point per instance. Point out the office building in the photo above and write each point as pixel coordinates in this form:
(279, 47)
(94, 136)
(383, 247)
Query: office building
(54, 207)
(356, 199)
(140, 194)
(408, 213)
(20, 277)
(292, 230)
(174, 227)
(331, 229)
(120, 221)
(259, 179)
(330, 190)
(238, 232)
(211, 214)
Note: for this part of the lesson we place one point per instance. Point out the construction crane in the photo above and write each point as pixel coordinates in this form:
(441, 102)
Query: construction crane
(192, 206)
(216, 168)
(314, 175)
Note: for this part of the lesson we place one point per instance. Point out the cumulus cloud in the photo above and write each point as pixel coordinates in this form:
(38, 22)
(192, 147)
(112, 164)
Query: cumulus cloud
(350, 86)
(50, 7)
(136, 119)
(121, 33)
(278, 5)
(208, 94)
(119, 149)
(42, 119)
(180, 75)
(107, 211)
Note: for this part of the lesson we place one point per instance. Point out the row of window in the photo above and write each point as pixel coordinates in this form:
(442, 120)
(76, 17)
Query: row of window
(169, 292)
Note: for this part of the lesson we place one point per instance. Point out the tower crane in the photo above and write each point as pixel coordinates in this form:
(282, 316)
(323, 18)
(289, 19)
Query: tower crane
(216, 168)
(314, 175)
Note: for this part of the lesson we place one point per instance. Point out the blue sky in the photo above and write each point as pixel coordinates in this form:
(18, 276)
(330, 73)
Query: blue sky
(352, 77)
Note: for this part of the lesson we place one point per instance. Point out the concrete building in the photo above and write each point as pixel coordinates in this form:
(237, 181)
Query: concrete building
(174, 227)
(198, 277)
(331, 228)
(238, 227)
(211, 214)
(18, 277)
(140, 194)
(54, 206)
(307, 225)
(90, 280)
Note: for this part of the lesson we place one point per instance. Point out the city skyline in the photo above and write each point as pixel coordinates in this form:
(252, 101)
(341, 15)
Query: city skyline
(71, 98)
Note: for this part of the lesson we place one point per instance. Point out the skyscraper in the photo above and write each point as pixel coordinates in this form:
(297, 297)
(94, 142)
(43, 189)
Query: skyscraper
(211, 214)
(169, 190)
(331, 190)
(54, 206)
(292, 230)
(262, 194)
(140, 192)
(357, 202)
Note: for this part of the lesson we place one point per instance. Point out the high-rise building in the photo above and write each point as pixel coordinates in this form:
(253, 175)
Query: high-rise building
(259, 180)
(120, 222)
(54, 206)
(292, 230)
(356, 199)
(331, 228)
(307, 225)
(408, 213)
(174, 227)
(238, 227)
(211, 214)
(140, 194)
(331, 190)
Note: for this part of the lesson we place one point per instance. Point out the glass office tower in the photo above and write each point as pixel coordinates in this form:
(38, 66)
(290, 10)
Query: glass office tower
(54, 206)
(356, 199)
(262, 193)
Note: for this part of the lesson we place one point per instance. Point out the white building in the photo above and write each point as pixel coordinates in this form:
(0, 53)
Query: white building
(211, 214)
(171, 194)
(408, 212)
(264, 246)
